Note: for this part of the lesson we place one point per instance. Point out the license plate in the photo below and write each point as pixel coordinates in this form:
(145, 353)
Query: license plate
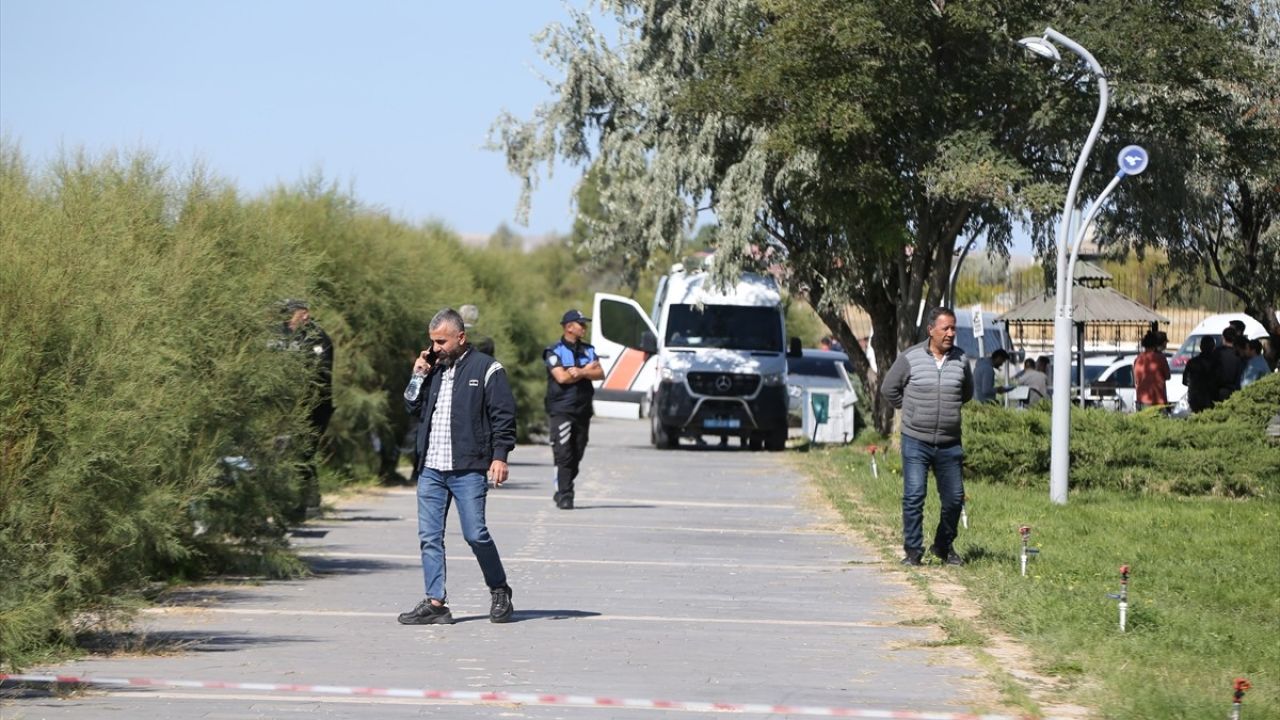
(722, 423)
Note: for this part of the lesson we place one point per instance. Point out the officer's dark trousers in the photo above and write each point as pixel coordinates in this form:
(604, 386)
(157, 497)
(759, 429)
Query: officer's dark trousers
(568, 443)
(309, 491)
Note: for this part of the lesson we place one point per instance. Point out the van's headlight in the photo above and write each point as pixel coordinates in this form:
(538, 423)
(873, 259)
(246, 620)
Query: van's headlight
(773, 379)
(670, 374)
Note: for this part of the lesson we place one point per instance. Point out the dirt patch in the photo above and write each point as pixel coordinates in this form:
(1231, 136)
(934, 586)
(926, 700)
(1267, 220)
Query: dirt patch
(1014, 658)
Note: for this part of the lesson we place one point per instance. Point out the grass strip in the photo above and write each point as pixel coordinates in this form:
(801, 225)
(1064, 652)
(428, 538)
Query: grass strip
(1204, 592)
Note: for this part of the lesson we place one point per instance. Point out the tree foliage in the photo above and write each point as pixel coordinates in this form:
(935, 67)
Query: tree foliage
(861, 140)
(1221, 222)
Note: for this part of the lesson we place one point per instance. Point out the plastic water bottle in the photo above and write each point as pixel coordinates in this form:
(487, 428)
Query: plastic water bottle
(415, 387)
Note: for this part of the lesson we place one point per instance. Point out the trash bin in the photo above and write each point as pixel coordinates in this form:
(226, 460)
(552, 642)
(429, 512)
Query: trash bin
(821, 404)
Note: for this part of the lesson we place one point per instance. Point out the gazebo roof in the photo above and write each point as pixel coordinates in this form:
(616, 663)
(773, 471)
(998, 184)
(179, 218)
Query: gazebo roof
(1101, 305)
(1085, 270)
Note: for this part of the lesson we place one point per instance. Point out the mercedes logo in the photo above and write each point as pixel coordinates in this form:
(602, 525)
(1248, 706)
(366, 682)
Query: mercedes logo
(723, 383)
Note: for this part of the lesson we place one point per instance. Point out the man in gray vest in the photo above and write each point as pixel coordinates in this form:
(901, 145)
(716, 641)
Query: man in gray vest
(930, 382)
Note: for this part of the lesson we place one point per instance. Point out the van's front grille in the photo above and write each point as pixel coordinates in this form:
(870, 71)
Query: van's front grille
(723, 384)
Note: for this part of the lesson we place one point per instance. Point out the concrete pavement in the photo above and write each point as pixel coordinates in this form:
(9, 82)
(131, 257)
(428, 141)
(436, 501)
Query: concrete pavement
(692, 575)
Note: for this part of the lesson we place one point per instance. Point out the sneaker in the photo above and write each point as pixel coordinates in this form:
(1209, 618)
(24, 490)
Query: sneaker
(500, 611)
(427, 614)
(914, 558)
(950, 557)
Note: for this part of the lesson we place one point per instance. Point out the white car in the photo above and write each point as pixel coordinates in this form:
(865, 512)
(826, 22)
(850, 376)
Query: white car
(1094, 366)
(1113, 389)
(827, 375)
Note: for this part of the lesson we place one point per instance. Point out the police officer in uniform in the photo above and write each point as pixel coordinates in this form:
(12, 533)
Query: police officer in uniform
(571, 366)
(301, 334)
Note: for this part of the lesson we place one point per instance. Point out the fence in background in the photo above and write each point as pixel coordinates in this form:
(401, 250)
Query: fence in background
(1098, 338)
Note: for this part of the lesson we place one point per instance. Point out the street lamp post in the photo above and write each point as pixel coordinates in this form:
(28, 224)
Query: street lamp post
(1132, 161)
(1062, 321)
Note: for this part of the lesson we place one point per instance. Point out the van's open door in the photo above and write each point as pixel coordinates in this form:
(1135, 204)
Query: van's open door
(618, 331)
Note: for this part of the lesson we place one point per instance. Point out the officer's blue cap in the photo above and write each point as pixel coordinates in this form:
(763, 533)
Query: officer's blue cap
(574, 316)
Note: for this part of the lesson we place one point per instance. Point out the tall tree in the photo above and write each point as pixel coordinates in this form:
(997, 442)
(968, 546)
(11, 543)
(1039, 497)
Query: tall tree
(1220, 223)
(862, 139)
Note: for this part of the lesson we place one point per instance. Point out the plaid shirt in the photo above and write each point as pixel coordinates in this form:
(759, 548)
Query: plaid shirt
(439, 455)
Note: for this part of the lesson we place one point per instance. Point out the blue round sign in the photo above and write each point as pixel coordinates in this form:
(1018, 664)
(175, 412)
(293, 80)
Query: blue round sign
(1133, 160)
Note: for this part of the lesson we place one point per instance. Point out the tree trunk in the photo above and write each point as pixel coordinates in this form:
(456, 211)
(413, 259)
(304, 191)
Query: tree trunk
(885, 344)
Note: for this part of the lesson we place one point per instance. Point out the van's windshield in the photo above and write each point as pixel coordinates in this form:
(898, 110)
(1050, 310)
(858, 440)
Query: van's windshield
(992, 338)
(733, 327)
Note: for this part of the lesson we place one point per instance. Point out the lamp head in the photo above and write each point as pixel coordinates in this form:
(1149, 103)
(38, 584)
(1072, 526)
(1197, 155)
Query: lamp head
(1041, 47)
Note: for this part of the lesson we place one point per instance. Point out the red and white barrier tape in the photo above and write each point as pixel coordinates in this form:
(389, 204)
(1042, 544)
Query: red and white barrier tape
(466, 696)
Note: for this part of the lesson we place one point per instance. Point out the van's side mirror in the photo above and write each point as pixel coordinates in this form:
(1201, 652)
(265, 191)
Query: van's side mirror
(648, 343)
(793, 349)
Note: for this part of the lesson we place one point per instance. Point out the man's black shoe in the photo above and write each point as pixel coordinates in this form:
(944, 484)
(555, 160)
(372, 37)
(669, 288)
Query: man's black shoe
(426, 614)
(565, 502)
(500, 611)
(950, 557)
(914, 558)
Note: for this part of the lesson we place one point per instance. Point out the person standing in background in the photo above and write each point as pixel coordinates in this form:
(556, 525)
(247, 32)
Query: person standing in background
(302, 335)
(1201, 377)
(1151, 372)
(1034, 379)
(1255, 365)
(571, 366)
(984, 376)
(1228, 363)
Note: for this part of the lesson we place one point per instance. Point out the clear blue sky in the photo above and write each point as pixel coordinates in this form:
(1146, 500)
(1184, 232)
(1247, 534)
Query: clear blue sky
(395, 96)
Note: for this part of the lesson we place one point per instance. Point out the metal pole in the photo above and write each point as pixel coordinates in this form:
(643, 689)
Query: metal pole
(1060, 447)
(1084, 228)
(1071, 269)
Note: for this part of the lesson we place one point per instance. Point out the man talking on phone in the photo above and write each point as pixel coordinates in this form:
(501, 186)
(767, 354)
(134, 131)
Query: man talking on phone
(467, 427)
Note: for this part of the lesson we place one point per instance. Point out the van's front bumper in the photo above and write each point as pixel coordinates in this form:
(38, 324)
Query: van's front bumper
(675, 406)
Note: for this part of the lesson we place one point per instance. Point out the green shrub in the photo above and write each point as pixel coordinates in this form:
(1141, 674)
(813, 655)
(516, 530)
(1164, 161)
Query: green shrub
(134, 358)
(377, 283)
(148, 430)
(1219, 452)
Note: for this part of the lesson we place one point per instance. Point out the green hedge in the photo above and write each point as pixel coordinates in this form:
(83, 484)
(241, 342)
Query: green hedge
(1223, 451)
(137, 312)
(133, 359)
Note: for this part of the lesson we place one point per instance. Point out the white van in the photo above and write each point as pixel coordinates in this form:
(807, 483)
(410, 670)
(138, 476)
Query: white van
(703, 362)
(995, 334)
(1213, 326)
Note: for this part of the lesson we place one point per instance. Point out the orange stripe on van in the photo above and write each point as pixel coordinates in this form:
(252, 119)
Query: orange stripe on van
(625, 371)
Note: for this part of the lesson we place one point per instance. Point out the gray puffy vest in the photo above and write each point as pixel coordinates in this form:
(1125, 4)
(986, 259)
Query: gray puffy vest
(930, 397)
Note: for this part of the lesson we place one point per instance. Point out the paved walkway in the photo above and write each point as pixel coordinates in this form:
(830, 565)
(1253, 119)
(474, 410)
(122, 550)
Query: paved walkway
(690, 575)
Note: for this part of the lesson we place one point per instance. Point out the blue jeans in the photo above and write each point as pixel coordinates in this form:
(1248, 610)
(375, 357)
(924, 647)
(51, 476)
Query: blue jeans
(436, 491)
(946, 460)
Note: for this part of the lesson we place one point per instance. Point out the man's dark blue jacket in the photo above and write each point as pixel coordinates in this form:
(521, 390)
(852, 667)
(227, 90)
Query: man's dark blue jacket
(483, 416)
